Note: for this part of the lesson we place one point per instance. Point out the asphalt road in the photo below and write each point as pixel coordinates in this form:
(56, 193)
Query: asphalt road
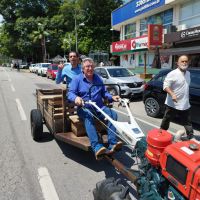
(49, 169)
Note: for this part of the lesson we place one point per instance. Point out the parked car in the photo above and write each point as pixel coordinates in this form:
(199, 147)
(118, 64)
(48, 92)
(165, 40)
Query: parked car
(129, 83)
(52, 71)
(154, 96)
(31, 67)
(23, 66)
(42, 69)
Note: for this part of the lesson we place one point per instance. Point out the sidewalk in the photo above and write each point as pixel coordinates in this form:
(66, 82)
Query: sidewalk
(140, 70)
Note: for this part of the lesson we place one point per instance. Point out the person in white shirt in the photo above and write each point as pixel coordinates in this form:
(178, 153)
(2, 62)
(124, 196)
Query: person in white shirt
(176, 84)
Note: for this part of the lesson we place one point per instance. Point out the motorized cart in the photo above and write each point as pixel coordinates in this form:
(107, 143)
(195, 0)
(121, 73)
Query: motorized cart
(165, 170)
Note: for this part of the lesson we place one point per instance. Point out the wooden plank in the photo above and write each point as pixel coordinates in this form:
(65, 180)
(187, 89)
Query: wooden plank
(50, 97)
(70, 138)
(80, 142)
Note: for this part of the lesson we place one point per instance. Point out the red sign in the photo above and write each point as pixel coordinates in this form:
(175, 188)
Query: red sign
(120, 46)
(130, 44)
(155, 32)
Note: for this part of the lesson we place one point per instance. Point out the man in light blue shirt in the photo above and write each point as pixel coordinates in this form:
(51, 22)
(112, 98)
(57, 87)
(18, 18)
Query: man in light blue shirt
(69, 70)
(79, 93)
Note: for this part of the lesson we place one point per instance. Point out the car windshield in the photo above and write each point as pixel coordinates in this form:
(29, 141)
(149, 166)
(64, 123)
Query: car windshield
(120, 72)
(45, 65)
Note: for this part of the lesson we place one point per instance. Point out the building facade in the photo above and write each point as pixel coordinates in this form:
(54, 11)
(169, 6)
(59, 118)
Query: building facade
(180, 20)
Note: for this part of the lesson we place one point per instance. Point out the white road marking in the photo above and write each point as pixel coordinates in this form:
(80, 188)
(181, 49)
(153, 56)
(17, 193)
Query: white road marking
(46, 184)
(150, 124)
(21, 110)
(12, 87)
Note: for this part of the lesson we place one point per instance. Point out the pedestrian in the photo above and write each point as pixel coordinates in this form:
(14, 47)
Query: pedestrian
(17, 67)
(79, 93)
(176, 84)
(69, 70)
(11, 66)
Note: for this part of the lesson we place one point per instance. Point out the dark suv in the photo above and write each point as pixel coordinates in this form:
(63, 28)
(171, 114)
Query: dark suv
(154, 96)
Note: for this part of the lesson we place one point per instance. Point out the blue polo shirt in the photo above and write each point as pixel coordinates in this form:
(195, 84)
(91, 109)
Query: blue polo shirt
(80, 86)
(69, 72)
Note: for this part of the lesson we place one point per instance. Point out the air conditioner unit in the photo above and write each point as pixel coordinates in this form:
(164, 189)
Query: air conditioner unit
(181, 27)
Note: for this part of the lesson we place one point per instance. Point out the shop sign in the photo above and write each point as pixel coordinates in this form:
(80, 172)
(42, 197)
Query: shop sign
(130, 44)
(133, 9)
(139, 43)
(155, 33)
(190, 33)
(123, 45)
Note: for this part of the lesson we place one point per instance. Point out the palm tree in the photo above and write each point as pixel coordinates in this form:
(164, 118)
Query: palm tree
(41, 35)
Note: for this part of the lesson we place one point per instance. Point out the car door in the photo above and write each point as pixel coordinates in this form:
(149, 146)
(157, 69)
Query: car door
(195, 95)
(157, 88)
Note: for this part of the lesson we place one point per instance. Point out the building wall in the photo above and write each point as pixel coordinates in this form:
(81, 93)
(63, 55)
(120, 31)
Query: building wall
(185, 15)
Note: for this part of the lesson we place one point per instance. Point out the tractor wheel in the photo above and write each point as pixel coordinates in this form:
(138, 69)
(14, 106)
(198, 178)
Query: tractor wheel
(36, 124)
(110, 189)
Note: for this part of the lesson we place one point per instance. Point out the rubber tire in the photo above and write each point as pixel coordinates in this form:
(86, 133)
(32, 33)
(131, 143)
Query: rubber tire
(152, 107)
(112, 91)
(110, 189)
(36, 124)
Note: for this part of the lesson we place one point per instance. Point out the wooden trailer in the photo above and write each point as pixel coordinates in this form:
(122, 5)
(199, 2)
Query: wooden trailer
(61, 119)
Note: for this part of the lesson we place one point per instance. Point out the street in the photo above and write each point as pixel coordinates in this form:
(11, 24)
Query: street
(49, 169)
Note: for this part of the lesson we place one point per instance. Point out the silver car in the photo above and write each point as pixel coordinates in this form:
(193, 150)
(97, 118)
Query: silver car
(129, 83)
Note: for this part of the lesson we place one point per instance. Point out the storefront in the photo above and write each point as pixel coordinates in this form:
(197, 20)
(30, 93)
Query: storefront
(132, 21)
(129, 50)
(184, 42)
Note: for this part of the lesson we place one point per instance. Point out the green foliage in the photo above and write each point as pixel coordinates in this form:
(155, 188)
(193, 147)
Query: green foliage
(21, 37)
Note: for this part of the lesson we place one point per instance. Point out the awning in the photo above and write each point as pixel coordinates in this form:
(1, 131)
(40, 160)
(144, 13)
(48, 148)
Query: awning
(180, 51)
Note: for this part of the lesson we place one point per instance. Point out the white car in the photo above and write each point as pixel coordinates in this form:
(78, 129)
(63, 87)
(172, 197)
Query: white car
(42, 69)
(35, 69)
(31, 67)
(129, 83)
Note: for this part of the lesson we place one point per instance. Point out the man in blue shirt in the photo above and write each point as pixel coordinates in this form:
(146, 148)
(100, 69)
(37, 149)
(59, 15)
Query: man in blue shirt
(69, 70)
(79, 93)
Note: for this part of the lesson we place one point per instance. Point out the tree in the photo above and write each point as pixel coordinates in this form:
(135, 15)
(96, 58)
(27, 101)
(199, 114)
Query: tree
(41, 35)
(20, 35)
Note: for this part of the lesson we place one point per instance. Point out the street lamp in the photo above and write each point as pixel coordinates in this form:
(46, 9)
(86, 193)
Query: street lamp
(76, 34)
(64, 41)
(76, 27)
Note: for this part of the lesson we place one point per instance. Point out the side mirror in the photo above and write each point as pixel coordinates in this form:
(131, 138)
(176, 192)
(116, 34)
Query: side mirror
(104, 76)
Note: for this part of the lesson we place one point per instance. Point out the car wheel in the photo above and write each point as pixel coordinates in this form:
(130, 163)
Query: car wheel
(110, 189)
(152, 107)
(36, 124)
(112, 91)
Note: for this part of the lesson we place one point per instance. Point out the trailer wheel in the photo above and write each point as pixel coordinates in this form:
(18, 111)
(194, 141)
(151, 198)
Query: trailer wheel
(36, 124)
(110, 189)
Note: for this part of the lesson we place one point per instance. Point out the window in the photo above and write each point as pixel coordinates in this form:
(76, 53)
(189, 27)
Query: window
(189, 13)
(104, 73)
(195, 79)
(130, 31)
(165, 18)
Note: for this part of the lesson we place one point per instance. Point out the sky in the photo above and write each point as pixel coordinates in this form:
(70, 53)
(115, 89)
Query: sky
(1, 18)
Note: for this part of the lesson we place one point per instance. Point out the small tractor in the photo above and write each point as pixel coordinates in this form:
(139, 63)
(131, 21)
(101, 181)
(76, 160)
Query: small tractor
(166, 169)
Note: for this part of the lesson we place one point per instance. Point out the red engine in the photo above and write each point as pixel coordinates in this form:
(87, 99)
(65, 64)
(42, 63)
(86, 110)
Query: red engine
(157, 140)
(179, 162)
